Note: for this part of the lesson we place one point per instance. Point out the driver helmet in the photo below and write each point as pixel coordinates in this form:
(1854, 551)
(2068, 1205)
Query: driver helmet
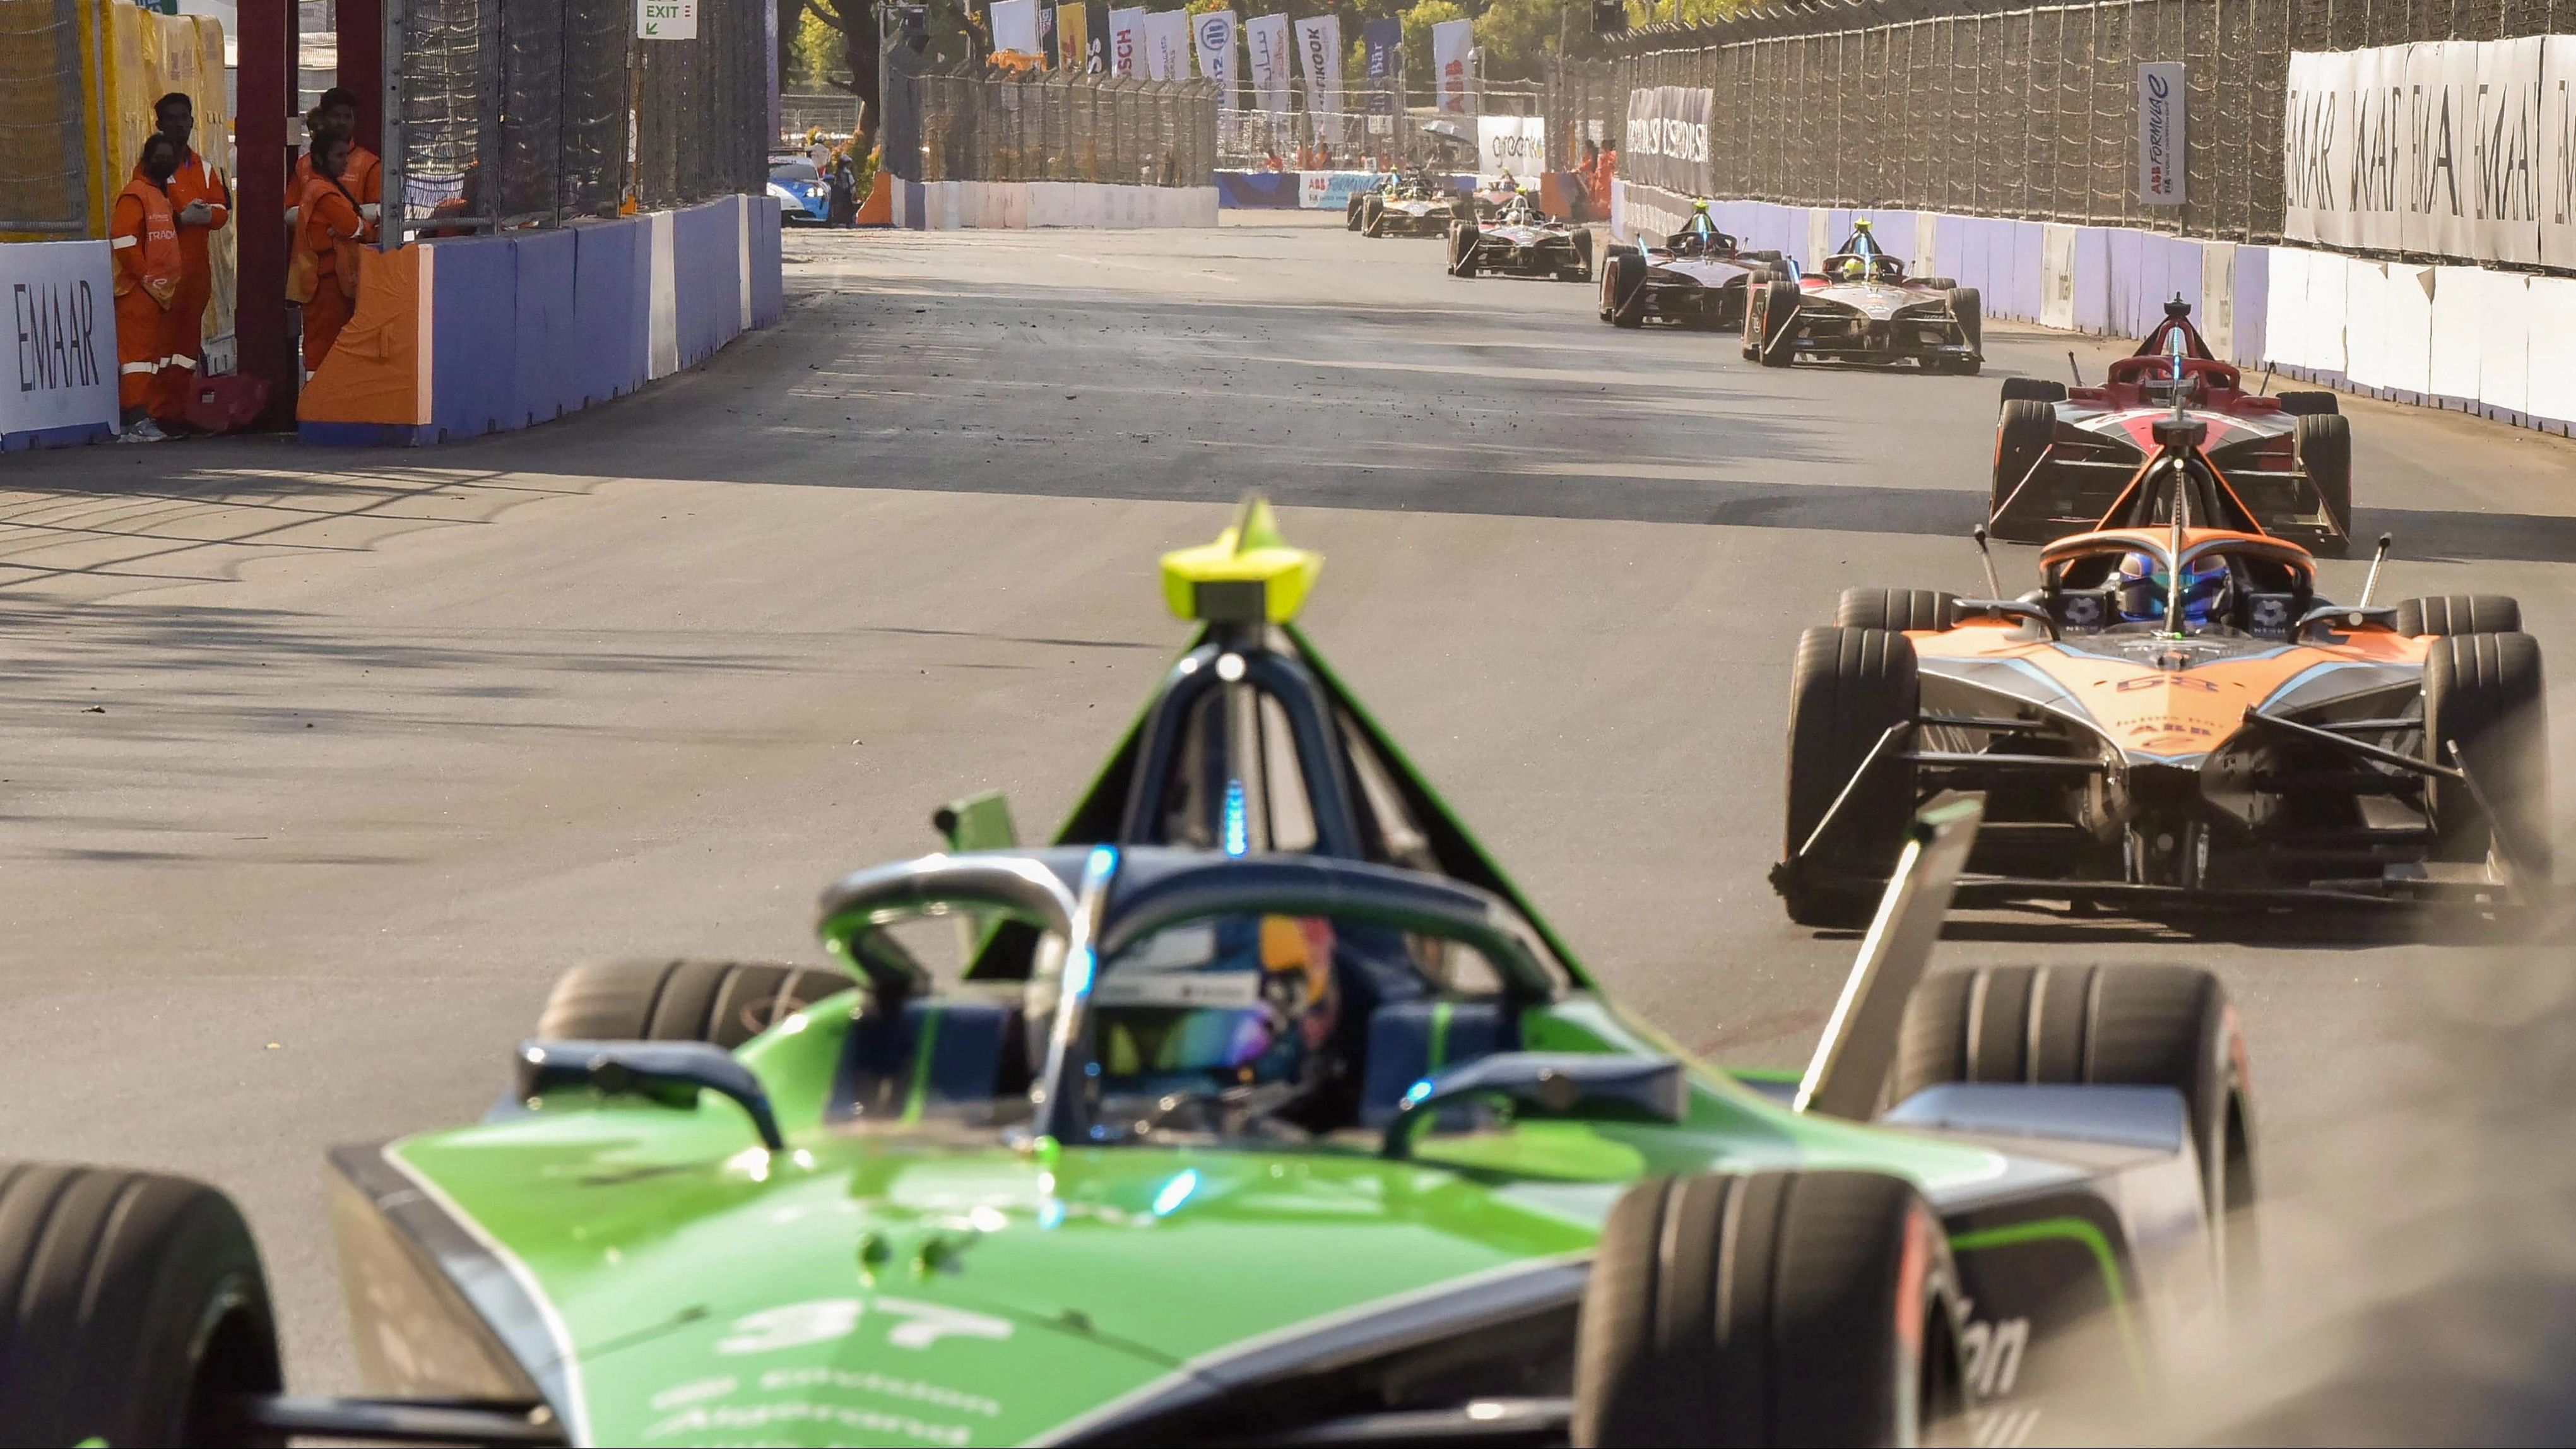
(1237, 1002)
(2144, 584)
(1851, 269)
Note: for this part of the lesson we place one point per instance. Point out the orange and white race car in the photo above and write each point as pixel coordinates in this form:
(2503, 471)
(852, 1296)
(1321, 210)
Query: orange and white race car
(2174, 720)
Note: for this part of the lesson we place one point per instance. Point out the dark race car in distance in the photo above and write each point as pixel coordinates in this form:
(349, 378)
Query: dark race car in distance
(1697, 277)
(1521, 243)
(1863, 308)
(1404, 206)
(2062, 455)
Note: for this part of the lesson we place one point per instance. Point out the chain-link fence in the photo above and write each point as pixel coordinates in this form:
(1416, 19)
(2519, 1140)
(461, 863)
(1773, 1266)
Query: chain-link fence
(967, 126)
(1314, 140)
(44, 179)
(2027, 113)
(835, 115)
(534, 112)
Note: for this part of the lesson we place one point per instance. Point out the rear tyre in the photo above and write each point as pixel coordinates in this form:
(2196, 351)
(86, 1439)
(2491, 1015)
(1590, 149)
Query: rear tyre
(2033, 389)
(1582, 269)
(1778, 1307)
(1941, 284)
(2100, 1026)
(1623, 289)
(2459, 614)
(2310, 404)
(1775, 325)
(2325, 455)
(1899, 610)
(137, 1306)
(2484, 692)
(724, 1002)
(1848, 688)
(2022, 436)
(1462, 249)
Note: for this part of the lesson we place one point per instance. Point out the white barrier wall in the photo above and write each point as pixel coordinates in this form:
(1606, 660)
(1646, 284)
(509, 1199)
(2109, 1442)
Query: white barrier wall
(1016, 205)
(62, 344)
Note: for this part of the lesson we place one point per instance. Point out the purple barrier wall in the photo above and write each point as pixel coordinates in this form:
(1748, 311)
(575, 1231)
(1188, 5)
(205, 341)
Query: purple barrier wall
(1259, 190)
(474, 367)
(768, 273)
(2093, 279)
(2023, 293)
(2253, 299)
(608, 285)
(705, 287)
(547, 364)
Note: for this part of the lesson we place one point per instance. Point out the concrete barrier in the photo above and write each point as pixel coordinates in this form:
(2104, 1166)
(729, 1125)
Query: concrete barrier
(1015, 205)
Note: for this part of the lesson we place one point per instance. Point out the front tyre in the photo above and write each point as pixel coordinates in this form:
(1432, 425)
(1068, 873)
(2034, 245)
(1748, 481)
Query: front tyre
(1464, 238)
(2019, 498)
(1779, 1307)
(1848, 688)
(1581, 271)
(2484, 693)
(1623, 289)
(1775, 324)
(1969, 309)
(137, 1306)
(2325, 456)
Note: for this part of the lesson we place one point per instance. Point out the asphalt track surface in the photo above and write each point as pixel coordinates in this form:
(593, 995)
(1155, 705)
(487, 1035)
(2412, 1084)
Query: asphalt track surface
(321, 766)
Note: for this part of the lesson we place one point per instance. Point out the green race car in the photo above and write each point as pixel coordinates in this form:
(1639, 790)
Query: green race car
(1259, 1108)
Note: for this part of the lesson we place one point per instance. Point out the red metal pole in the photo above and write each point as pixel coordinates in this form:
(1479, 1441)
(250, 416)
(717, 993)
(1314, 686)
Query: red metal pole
(362, 67)
(266, 81)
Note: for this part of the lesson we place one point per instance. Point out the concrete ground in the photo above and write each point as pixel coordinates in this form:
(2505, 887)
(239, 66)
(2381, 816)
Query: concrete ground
(323, 765)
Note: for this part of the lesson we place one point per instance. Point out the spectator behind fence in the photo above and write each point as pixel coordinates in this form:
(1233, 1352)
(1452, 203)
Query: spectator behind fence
(322, 273)
(143, 237)
(365, 178)
(1604, 171)
(201, 203)
(1584, 171)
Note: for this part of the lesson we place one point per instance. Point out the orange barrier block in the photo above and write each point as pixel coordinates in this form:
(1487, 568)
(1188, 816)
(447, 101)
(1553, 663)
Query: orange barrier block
(878, 209)
(374, 386)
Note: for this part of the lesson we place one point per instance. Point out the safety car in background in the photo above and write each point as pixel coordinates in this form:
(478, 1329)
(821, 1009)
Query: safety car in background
(1521, 243)
(803, 198)
(1697, 277)
(1262, 1108)
(2176, 720)
(2062, 454)
(1863, 308)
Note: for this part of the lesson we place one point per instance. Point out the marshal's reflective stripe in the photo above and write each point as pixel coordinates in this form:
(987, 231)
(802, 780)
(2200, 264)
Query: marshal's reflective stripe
(130, 368)
(118, 244)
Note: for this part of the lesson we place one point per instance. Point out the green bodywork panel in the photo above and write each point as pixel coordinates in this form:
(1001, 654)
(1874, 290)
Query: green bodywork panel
(924, 1283)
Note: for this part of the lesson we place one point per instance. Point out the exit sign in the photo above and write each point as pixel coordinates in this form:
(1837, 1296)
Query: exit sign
(666, 19)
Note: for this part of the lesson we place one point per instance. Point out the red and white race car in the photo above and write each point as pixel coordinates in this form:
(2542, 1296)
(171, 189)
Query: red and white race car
(2063, 454)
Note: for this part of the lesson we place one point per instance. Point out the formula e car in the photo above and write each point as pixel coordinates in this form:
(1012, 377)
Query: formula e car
(1697, 277)
(1408, 206)
(1521, 243)
(2061, 455)
(1208, 1146)
(1863, 308)
(2175, 721)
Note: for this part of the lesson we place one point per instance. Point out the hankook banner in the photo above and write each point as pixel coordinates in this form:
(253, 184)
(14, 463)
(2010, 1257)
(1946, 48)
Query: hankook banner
(1667, 140)
(2462, 149)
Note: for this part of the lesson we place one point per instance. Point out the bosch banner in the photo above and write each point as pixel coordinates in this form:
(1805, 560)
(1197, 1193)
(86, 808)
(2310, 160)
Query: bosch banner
(1667, 140)
(1127, 41)
(2457, 149)
(1384, 42)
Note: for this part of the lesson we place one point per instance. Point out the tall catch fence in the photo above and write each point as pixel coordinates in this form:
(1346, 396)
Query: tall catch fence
(44, 178)
(968, 126)
(535, 112)
(2029, 112)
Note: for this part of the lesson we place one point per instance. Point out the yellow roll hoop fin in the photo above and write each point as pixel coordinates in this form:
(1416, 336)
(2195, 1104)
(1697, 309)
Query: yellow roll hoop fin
(1248, 575)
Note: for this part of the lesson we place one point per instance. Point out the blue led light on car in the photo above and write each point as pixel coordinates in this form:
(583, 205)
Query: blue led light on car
(1238, 830)
(1176, 1192)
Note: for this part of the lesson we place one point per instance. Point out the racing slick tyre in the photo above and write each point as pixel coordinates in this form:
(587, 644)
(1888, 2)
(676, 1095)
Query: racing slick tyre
(1941, 284)
(2100, 1026)
(2033, 389)
(1581, 271)
(1778, 1307)
(1623, 289)
(2325, 454)
(1373, 218)
(1354, 212)
(1771, 328)
(1970, 310)
(2310, 404)
(137, 1309)
(2459, 614)
(724, 1002)
(2483, 693)
(1847, 690)
(1896, 609)
(1462, 248)
(2022, 436)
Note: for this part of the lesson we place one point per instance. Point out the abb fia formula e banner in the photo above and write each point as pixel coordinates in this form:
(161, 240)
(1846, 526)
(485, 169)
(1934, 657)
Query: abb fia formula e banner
(2161, 147)
(1265, 46)
(2462, 149)
(1452, 42)
(1319, 62)
(1666, 143)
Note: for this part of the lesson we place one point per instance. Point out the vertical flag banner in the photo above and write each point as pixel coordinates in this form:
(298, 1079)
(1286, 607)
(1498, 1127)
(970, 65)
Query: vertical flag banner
(2160, 133)
(1384, 41)
(1167, 45)
(1127, 41)
(1451, 41)
(1265, 45)
(1319, 60)
(1015, 26)
(1072, 36)
(1212, 37)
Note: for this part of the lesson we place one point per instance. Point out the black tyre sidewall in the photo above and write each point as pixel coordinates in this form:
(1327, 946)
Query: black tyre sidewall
(2486, 693)
(2325, 455)
(724, 1002)
(2023, 432)
(1846, 689)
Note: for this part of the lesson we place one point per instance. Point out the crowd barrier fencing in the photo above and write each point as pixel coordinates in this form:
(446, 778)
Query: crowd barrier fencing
(458, 338)
(1017, 205)
(2500, 344)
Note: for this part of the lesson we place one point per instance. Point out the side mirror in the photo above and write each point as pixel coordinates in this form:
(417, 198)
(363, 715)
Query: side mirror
(671, 1073)
(1559, 1083)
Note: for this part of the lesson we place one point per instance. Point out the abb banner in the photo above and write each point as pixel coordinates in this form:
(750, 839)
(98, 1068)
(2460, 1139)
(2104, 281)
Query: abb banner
(2461, 149)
